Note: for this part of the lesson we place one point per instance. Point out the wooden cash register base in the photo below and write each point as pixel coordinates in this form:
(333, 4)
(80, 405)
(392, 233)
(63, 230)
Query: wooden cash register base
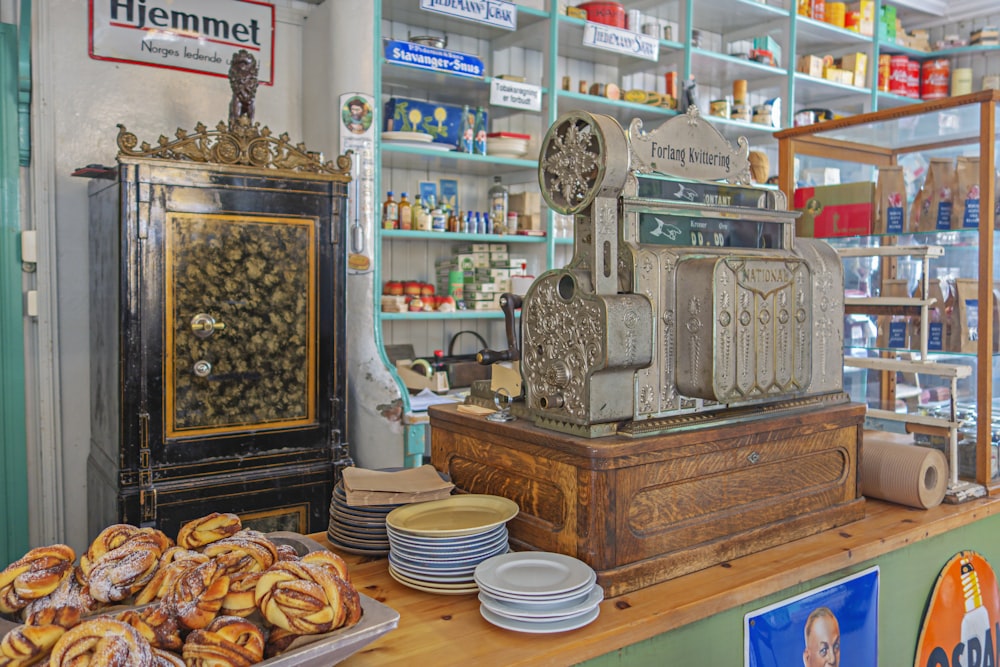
(644, 510)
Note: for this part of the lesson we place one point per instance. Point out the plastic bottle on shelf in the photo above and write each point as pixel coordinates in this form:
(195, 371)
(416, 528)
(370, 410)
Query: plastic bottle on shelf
(405, 213)
(498, 198)
(390, 212)
(439, 220)
(470, 223)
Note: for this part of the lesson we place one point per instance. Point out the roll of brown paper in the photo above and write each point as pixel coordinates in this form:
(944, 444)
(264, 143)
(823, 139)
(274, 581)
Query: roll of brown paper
(902, 473)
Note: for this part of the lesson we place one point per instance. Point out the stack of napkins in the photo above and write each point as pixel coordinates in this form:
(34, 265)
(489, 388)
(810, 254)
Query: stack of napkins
(410, 485)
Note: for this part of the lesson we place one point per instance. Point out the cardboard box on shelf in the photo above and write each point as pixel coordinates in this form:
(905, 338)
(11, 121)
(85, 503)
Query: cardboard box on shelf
(811, 65)
(533, 221)
(839, 75)
(866, 24)
(525, 203)
(835, 210)
(857, 64)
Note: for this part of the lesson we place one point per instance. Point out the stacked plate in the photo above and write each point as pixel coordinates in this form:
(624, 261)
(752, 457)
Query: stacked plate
(415, 140)
(357, 529)
(436, 546)
(538, 592)
(511, 146)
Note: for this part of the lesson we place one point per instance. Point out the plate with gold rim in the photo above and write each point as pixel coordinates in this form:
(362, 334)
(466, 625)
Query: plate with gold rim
(421, 137)
(451, 517)
(440, 588)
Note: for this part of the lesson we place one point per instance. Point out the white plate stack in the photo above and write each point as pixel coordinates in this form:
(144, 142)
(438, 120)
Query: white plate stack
(436, 546)
(512, 147)
(538, 592)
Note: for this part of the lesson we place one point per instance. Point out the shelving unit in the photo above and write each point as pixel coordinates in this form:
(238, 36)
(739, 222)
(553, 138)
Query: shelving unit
(964, 125)
(958, 490)
(547, 48)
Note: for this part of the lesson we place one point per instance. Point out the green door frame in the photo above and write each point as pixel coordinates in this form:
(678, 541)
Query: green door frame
(13, 432)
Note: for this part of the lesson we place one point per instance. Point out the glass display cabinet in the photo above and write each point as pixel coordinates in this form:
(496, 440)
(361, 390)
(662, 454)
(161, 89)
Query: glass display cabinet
(920, 333)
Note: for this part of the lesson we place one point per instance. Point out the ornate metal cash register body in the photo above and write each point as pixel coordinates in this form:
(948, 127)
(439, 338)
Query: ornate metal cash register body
(682, 298)
(691, 316)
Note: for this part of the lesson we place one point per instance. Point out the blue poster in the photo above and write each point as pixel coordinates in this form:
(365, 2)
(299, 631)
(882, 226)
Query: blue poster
(836, 624)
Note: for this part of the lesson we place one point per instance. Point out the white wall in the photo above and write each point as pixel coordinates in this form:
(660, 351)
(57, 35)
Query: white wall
(77, 102)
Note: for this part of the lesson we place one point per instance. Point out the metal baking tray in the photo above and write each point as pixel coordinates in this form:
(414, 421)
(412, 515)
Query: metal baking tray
(328, 649)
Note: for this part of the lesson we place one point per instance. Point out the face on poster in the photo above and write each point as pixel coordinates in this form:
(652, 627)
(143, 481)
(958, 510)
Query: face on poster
(836, 624)
(356, 113)
(357, 130)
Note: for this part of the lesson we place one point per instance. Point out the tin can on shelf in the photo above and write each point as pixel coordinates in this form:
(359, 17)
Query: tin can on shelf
(884, 72)
(961, 81)
(739, 92)
(608, 13)
(719, 108)
(819, 10)
(836, 12)
(913, 80)
(633, 20)
(898, 74)
(671, 84)
(934, 79)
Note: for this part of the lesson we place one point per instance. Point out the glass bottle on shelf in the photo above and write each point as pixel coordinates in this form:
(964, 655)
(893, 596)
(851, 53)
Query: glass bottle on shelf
(415, 213)
(390, 212)
(480, 127)
(467, 131)
(405, 213)
(498, 199)
(424, 223)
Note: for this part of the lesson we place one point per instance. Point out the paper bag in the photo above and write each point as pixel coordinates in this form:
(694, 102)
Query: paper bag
(890, 202)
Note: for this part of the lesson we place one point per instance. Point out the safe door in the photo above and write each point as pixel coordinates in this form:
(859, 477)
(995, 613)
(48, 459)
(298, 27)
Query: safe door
(234, 358)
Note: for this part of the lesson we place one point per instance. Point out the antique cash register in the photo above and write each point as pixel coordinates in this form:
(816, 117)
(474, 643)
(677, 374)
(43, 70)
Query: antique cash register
(682, 375)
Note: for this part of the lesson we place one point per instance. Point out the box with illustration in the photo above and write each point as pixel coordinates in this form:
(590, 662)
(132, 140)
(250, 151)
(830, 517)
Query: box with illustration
(444, 122)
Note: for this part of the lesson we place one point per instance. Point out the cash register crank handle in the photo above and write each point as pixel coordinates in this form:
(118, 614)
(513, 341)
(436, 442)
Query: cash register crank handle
(509, 303)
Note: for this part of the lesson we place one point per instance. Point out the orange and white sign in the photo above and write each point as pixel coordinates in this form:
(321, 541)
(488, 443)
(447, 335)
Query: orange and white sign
(962, 622)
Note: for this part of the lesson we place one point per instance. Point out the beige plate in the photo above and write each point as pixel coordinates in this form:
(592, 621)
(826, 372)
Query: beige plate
(452, 517)
(422, 137)
(440, 589)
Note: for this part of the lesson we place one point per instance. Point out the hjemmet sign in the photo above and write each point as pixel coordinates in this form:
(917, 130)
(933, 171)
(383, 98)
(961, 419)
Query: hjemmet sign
(193, 35)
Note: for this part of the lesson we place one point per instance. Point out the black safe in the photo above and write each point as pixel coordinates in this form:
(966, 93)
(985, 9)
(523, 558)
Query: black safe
(218, 351)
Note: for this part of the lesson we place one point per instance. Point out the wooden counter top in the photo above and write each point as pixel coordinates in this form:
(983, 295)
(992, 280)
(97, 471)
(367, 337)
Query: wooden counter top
(443, 630)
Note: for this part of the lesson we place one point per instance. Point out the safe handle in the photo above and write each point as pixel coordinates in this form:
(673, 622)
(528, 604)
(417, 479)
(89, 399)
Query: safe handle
(204, 325)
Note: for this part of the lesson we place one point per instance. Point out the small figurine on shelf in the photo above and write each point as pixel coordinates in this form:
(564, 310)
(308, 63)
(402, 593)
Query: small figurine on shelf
(466, 141)
(480, 131)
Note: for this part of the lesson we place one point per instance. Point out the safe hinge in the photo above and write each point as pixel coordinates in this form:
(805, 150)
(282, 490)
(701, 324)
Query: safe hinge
(335, 223)
(147, 494)
(147, 505)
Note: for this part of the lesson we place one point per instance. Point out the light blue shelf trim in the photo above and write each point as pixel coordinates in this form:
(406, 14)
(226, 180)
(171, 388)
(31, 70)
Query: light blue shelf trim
(456, 155)
(457, 315)
(620, 104)
(460, 236)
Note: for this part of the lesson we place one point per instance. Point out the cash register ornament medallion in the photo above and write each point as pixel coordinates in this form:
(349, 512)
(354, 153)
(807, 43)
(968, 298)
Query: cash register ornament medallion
(242, 142)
